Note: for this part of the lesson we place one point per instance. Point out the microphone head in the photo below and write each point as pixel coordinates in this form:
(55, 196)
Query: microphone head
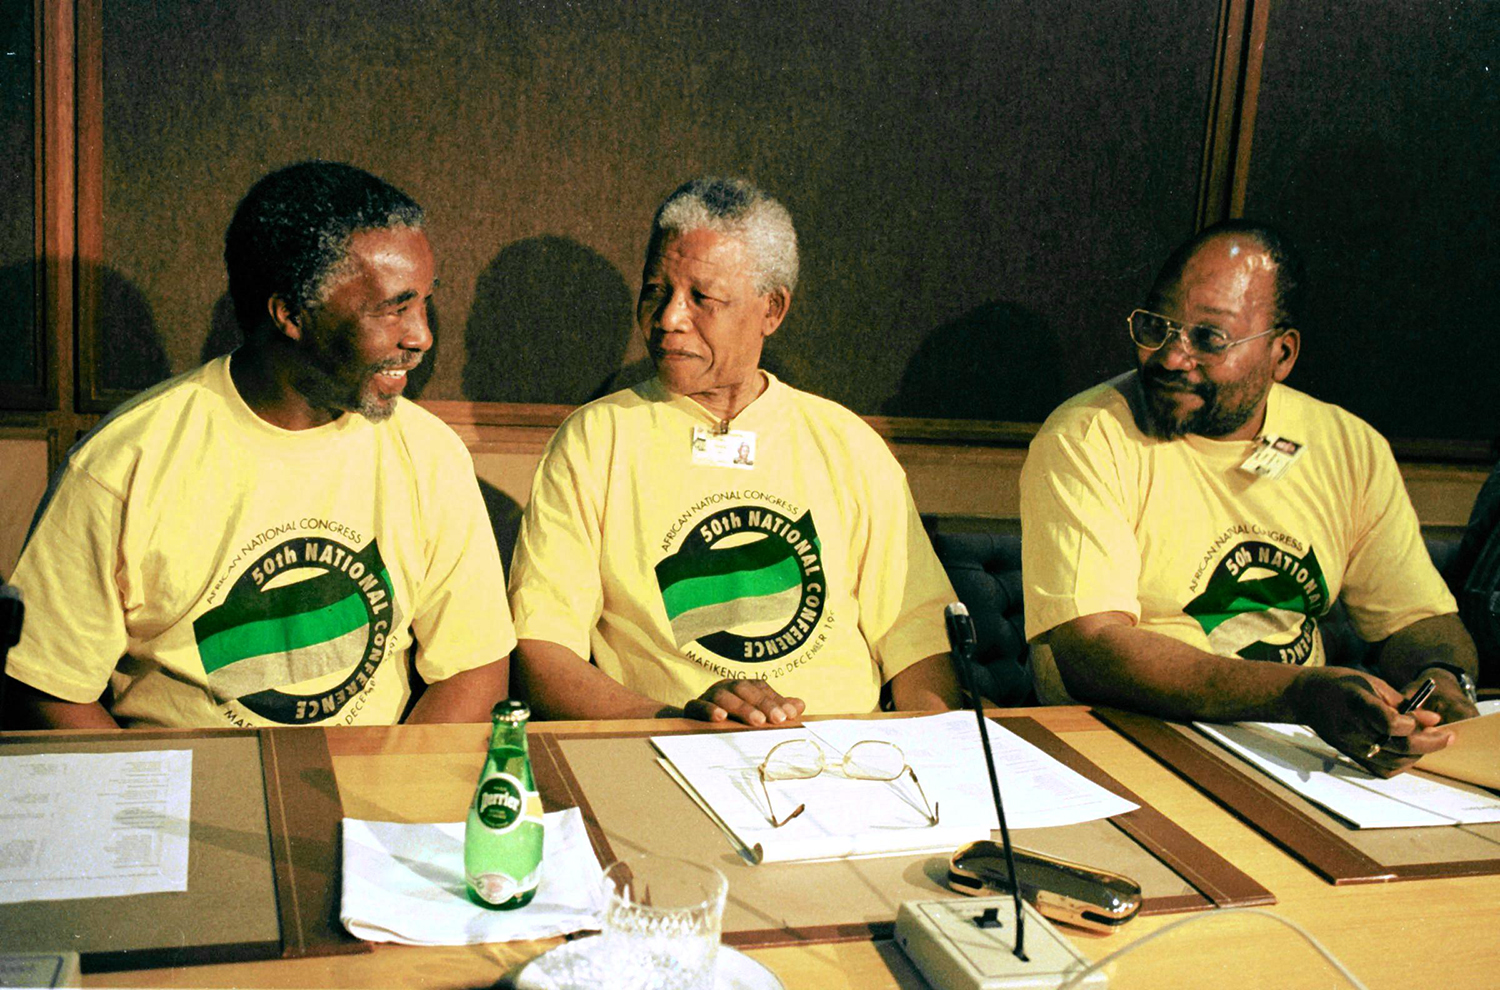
(961, 638)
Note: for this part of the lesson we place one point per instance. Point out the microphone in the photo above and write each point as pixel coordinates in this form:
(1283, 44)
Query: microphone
(962, 642)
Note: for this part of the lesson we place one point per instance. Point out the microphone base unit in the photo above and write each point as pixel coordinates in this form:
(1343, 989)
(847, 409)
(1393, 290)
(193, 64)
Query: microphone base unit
(969, 943)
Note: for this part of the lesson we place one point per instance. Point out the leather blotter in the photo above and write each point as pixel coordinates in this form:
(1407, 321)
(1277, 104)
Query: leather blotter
(304, 812)
(630, 805)
(1333, 850)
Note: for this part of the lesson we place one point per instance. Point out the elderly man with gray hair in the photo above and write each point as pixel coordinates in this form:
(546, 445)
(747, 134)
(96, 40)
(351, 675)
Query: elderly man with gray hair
(713, 542)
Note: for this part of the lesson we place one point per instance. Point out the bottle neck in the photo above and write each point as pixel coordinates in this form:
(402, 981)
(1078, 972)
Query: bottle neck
(508, 734)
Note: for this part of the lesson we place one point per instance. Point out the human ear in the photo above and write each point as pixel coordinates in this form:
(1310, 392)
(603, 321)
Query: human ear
(1288, 345)
(778, 301)
(286, 319)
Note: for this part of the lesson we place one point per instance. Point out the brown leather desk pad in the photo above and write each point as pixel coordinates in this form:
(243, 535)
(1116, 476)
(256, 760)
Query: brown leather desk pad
(262, 862)
(1332, 849)
(630, 805)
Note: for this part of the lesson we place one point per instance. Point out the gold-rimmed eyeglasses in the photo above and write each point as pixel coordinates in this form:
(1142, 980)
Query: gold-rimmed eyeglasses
(868, 759)
(1152, 331)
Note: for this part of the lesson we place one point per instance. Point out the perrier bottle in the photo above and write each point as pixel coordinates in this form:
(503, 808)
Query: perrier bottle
(503, 834)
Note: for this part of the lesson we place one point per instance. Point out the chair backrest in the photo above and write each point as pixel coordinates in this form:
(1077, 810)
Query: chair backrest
(985, 569)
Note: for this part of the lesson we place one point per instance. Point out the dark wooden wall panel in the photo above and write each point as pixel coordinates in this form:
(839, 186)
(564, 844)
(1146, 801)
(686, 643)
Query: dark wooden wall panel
(21, 370)
(1377, 145)
(982, 189)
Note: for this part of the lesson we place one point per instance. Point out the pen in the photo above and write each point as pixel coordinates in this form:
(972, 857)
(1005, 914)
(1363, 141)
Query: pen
(1407, 707)
(1415, 701)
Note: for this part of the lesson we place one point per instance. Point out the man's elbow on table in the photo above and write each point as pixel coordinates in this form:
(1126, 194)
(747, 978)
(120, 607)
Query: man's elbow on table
(1092, 664)
(28, 708)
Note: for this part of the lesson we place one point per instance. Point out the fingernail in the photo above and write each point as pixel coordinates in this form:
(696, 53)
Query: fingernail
(757, 717)
(777, 715)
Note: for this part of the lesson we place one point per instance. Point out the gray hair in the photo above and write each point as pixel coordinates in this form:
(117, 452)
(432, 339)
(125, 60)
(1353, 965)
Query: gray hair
(739, 209)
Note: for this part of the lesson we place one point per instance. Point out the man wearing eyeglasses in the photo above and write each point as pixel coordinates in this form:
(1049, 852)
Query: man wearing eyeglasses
(1186, 526)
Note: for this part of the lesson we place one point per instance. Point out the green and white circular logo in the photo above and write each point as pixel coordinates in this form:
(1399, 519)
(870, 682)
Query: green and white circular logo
(500, 803)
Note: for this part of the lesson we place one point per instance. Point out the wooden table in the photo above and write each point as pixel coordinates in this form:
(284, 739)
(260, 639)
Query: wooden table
(1443, 933)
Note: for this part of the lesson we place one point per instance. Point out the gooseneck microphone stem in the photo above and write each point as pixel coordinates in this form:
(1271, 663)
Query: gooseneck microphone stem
(962, 641)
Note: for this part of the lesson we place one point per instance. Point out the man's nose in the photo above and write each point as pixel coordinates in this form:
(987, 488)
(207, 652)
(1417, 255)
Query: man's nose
(1175, 354)
(673, 315)
(416, 330)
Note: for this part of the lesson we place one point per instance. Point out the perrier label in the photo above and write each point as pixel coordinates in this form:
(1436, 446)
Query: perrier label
(503, 833)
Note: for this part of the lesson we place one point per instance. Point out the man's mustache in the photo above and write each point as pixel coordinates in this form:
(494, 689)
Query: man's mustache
(1165, 378)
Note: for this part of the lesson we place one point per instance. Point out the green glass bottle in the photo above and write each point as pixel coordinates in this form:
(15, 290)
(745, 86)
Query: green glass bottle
(503, 833)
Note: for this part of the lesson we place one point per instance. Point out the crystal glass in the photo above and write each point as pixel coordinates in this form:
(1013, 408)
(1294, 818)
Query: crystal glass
(662, 919)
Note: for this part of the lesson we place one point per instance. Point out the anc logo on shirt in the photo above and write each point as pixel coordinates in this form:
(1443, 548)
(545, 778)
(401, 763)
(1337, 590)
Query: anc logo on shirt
(306, 609)
(741, 571)
(1262, 603)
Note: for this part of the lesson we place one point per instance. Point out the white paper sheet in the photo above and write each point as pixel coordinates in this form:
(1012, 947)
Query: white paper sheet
(847, 817)
(1294, 755)
(405, 883)
(94, 824)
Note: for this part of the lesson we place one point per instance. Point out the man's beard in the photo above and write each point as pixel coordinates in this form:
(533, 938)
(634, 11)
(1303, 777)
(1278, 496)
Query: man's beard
(327, 383)
(1224, 409)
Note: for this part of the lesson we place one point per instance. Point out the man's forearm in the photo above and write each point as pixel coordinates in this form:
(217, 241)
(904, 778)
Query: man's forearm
(28, 708)
(1439, 639)
(926, 686)
(560, 684)
(466, 696)
(1112, 662)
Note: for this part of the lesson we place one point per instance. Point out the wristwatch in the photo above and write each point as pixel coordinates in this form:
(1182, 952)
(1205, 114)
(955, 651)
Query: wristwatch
(1465, 681)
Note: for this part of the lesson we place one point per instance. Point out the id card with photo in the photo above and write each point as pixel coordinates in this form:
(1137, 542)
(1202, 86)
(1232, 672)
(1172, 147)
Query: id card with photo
(1273, 456)
(735, 449)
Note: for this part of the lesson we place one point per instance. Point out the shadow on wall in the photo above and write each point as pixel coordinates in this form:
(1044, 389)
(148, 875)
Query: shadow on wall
(999, 361)
(224, 335)
(550, 323)
(129, 351)
(18, 285)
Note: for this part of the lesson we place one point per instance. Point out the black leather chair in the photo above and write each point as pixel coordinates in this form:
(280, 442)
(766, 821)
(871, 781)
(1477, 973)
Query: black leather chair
(985, 568)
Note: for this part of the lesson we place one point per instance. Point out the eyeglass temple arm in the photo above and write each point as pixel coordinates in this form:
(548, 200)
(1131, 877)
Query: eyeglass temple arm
(933, 810)
(761, 772)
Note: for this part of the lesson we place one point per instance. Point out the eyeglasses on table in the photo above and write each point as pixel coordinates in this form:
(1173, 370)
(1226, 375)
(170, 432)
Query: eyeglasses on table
(868, 759)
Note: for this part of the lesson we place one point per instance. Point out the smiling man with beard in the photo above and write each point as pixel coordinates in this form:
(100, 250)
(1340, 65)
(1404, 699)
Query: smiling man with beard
(277, 537)
(1186, 525)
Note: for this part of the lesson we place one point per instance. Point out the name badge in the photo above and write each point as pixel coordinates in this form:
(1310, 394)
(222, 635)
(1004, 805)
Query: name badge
(1273, 456)
(735, 449)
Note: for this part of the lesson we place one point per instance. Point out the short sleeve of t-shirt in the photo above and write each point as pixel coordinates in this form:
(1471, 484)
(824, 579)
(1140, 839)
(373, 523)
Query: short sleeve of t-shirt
(555, 585)
(903, 588)
(1079, 554)
(1391, 581)
(462, 620)
(74, 632)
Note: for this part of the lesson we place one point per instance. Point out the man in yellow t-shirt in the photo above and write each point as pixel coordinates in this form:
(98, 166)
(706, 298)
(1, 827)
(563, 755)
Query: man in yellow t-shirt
(715, 541)
(263, 540)
(1185, 526)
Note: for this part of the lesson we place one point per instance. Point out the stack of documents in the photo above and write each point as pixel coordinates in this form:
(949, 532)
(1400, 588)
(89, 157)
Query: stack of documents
(405, 883)
(853, 817)
(1295, 756)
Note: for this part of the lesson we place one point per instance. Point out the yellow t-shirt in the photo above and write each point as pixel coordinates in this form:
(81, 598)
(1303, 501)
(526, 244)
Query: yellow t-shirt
(1176, 534)
(216, 570)
(807, 568)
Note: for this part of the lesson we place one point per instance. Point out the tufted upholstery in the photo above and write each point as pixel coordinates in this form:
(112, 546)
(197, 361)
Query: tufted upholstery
(985, 568)
(983, 560)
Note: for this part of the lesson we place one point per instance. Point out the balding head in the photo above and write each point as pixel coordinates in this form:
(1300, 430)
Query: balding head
(1289, 286)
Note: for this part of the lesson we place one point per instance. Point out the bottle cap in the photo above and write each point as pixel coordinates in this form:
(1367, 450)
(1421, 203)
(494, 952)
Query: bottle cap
(511, 710)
